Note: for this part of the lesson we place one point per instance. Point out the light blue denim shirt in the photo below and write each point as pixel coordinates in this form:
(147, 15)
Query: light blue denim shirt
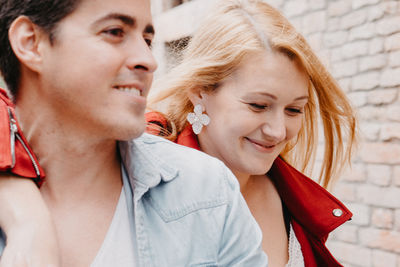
(187, 209)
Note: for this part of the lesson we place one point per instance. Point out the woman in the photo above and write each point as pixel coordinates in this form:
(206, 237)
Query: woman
(262, 90)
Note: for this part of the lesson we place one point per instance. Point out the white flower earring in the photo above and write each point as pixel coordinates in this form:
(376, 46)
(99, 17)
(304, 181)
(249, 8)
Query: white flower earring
(198, 119)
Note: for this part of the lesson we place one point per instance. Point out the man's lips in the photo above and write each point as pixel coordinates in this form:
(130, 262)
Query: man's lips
(132, 89)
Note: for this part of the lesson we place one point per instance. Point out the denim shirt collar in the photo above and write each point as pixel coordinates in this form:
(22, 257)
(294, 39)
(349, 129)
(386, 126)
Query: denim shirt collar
(145, 168)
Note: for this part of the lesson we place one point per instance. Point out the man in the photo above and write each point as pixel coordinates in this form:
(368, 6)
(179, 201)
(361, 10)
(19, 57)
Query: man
(79, 72)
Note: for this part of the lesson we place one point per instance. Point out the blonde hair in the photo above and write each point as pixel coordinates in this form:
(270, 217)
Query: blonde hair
(236, 29)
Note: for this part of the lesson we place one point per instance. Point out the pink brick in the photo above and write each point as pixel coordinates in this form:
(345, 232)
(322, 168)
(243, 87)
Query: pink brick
(397, 220)
(382, 218)
(385, 153)
(390, 131)
(383, 258)
(380, 239)
(379, 174)
(384, 197)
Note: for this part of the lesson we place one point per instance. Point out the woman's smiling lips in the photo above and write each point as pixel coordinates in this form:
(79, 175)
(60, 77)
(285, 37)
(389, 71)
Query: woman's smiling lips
(261, 146)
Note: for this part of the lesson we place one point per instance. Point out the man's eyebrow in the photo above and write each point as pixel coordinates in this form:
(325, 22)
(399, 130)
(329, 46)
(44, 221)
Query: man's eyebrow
(126, 19)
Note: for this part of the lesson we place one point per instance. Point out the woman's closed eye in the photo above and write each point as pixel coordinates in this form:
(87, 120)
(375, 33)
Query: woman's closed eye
(257, 107)
(295, 111)
(115, 32)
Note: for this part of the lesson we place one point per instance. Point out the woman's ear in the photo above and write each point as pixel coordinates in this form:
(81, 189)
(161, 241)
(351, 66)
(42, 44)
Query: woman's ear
(25, 40)
(197, 96)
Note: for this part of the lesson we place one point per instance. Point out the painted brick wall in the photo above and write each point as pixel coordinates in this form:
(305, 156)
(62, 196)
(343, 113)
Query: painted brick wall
(359, 41)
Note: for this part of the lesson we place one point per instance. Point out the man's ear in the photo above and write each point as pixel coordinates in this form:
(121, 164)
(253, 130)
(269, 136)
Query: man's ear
(25, 39)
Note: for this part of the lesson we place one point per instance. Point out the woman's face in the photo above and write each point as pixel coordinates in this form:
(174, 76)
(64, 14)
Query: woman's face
(255, 112)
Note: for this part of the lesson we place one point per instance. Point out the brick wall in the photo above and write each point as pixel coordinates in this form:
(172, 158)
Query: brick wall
(359, 41)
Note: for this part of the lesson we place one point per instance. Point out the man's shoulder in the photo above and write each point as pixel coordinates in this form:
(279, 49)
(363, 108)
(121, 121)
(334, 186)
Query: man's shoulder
(201, 181)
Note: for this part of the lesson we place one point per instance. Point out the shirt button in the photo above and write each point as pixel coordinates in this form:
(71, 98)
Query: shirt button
(337, 212)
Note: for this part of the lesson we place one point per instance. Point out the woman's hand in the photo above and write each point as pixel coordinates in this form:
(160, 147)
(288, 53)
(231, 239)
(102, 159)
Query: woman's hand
(26, 221)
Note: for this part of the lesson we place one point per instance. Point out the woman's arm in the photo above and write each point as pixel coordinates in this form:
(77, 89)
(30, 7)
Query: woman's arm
(27, 224)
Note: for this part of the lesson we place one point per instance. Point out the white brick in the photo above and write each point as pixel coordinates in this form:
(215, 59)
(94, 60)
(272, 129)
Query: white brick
(317, 4)
(354, 49)
(345, 84)
(382, 218)
(392, 42)
(356, 4)
(295, 8)
(376, 12)
(383, 197)
(394, 59)
(391, 7)
(333, 24)
(369, 130)
(351, 254)
(389, 25)
(393, 113)
(372, 113)
(390, 131)
(376, 46)
(346, 233)
(338, 8)
(353, 19)
(345, 192)
(358, 99)
(381, 239)
(390, 77)
(396, 175)
(355, 173)
(365, 81)
(365, 31)
(382, 97)
(373, 62)
(383, 258)
(361, 214)
(379, 174)
(335, 38)
(344, 68)
(314, 22)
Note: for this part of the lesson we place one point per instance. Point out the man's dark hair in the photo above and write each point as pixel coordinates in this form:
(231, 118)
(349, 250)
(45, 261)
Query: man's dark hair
(44, 13)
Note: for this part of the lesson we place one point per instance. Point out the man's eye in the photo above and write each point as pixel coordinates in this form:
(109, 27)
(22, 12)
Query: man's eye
(149, 42)
(117, 32)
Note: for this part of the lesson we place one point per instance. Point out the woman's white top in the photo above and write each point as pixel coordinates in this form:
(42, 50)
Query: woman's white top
(295, 255)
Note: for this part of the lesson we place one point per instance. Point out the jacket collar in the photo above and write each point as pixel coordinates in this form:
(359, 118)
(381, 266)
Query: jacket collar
(312, 206)
(145, 168)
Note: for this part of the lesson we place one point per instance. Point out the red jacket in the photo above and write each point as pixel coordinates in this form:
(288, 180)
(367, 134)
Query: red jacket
(313, 211)
(15, 154)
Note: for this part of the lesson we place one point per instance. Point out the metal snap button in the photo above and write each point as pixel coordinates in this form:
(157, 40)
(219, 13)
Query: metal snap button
(337, 212)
